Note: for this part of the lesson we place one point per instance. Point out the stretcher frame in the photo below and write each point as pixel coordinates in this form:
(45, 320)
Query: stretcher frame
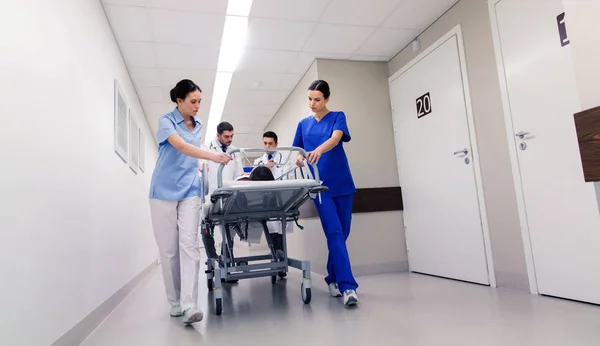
(227, 267)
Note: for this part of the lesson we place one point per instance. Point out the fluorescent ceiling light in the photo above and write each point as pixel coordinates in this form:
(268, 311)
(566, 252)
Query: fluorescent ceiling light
(217, 104)
(233, 42)
(239, 8)
(232, 49)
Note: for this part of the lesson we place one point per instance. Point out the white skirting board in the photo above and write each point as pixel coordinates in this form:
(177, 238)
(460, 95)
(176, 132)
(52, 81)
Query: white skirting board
(86, 326)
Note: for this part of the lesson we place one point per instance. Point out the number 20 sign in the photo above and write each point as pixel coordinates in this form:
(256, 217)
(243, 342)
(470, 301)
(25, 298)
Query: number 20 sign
(423, 105)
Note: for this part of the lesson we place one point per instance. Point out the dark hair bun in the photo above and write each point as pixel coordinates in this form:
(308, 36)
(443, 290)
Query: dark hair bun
(322, 86)
(182, 89)
(261, 173)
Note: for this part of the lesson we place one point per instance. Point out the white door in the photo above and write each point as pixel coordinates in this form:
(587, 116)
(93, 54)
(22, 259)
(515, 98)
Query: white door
(442, 216)
(560, 208)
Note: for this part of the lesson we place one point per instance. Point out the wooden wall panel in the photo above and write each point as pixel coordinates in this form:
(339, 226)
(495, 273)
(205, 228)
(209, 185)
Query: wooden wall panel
(367, 200)
(587, 124)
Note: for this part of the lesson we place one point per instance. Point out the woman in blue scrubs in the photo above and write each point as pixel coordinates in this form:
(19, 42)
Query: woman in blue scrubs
(322, 135)
(175, 199)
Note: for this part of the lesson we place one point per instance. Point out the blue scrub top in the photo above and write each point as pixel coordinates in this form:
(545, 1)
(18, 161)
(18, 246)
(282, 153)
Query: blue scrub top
(334, 169)
(176, 175)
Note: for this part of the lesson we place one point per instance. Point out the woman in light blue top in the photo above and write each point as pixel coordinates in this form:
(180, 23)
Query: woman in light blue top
(175, 201)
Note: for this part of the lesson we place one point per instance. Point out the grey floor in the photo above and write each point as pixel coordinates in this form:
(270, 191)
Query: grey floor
(395, 309)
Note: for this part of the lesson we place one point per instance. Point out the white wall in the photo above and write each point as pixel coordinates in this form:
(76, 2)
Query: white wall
(584, 33)
(498, 184)
(74, 221)
(376, 243)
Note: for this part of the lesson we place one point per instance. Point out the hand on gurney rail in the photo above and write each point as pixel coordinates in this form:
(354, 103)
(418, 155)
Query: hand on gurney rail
(312, 158)
(300, 160)
(221, 158)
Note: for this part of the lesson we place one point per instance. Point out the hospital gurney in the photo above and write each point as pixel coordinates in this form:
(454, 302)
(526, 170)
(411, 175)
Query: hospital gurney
(236, 204)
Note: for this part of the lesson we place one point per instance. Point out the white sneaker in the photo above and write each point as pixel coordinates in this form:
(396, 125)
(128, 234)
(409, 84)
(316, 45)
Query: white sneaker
(350, 298)
(192, 316)
(334, 290)
(175, 310)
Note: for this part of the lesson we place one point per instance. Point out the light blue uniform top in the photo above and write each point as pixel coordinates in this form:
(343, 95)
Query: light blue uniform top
(334, 169)
(176, 175)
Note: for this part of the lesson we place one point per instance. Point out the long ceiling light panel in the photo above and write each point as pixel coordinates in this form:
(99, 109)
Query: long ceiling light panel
(232, 48)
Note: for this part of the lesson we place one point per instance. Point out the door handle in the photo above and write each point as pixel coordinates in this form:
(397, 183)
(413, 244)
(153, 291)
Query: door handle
(521, 134)
(465, 151)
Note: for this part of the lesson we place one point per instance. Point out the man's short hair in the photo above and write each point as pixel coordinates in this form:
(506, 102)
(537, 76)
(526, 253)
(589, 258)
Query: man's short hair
(270, 134)
(224, 126)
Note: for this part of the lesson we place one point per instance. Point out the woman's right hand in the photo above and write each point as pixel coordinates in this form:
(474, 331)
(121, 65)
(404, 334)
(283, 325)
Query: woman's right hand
(222, 158)
(300, 160)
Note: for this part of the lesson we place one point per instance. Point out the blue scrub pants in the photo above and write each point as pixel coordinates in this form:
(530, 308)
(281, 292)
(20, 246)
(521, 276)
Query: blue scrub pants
(336, 216)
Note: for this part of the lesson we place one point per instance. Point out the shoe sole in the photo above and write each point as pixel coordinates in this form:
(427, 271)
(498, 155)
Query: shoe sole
(335, 295)
(176, 315)
(351, 301)
(197, 317)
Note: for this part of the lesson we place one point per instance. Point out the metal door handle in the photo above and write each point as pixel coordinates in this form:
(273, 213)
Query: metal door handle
(465, 151)
(522, 134)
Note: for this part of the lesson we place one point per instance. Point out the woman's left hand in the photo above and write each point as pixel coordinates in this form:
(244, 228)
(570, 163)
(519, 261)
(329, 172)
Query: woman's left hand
(314, 156)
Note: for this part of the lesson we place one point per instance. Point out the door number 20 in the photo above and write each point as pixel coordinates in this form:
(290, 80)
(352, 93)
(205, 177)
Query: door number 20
(423, 105)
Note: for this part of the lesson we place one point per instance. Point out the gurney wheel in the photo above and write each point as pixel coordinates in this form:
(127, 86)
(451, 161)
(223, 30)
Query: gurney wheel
(306, 295)
(273, 279)
(218, 306)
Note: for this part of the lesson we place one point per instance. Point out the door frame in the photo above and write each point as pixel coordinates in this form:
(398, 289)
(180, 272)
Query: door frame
(457, 31)
(513, 150)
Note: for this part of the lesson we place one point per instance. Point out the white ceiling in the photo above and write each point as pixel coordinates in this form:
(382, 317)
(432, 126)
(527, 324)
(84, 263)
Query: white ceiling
(163, 41)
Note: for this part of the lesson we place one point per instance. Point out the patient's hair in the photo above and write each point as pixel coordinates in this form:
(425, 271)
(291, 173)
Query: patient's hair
(261, 173)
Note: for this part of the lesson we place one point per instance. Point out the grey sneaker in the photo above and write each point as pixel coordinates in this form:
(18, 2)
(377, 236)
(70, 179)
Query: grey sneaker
(192, 316)
(175, 310)
(350, 298)
(334, 290)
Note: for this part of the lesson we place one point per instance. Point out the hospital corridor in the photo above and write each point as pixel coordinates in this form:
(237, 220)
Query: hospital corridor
(300, 172)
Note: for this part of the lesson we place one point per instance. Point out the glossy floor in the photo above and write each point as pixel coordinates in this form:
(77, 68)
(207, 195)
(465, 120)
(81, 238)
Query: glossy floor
(395, 309)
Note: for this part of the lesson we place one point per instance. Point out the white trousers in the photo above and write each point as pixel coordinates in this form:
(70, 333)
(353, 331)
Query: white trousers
(175, 226)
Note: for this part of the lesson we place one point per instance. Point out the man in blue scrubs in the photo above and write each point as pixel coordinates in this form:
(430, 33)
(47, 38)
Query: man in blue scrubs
(322, 136)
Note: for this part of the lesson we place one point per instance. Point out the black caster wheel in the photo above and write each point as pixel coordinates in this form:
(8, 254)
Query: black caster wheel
(306, 294)
(273, 279)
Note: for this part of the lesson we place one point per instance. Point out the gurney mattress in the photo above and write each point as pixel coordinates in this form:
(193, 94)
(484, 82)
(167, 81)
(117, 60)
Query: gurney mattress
(262, 199)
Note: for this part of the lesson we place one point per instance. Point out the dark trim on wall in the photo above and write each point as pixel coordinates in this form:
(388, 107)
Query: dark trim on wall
(366, 200)
(378, 199)
(587, 124)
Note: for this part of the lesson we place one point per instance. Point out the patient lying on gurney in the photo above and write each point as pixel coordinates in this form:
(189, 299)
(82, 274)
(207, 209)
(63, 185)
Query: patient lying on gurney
(262, 173)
